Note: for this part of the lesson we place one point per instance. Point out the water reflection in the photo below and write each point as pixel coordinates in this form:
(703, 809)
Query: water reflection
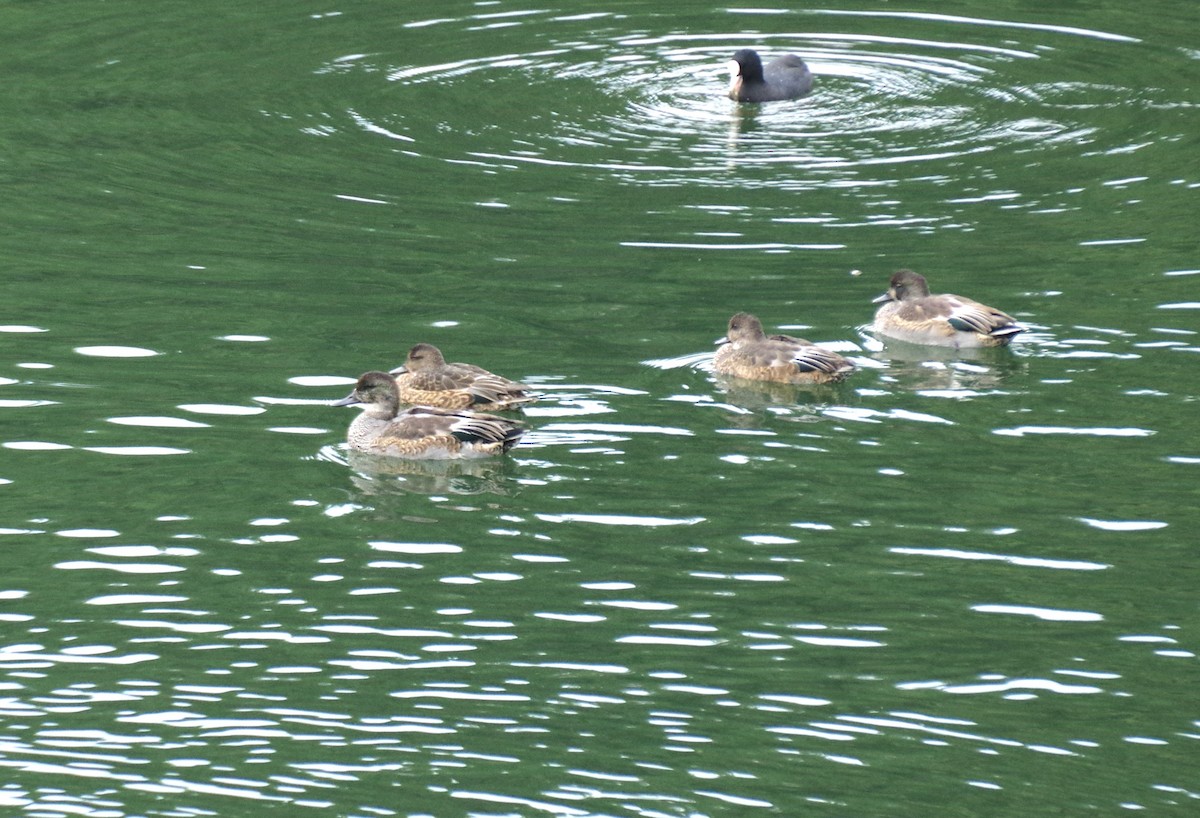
(759, 396)
(379, 475)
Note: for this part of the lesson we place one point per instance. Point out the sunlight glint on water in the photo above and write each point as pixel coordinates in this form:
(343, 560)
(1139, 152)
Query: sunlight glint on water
(953, 579)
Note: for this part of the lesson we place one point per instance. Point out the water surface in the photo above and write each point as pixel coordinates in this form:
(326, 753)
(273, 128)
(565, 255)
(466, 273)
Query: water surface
(951, 584)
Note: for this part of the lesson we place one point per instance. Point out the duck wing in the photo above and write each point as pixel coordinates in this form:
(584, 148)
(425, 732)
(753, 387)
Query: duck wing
(966, 315)
(497, 390)
(487, 429)
(419, 423)
(818, 359)
(786, 350)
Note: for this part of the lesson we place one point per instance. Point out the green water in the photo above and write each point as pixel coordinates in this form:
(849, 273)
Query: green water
(953, 585)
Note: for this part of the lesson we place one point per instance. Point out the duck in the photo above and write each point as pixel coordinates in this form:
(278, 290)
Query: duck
(426, 379)
(909, 312)
(748, 352)
(422, 432)
(786, 77)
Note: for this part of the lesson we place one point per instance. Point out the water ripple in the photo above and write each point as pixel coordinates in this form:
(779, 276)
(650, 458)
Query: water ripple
(624, 98)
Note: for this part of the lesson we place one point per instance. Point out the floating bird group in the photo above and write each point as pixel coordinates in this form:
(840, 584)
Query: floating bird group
(422, 432)
(449, 418)
(450, 403)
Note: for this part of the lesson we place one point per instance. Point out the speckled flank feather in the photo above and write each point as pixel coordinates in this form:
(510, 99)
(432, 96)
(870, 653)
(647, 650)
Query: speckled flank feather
(427, 380)
(428, 433)
(422, 432)
(751, 354)
(910, 313)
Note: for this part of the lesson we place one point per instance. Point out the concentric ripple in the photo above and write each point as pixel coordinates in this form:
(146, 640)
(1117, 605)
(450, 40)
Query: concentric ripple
(652, 108)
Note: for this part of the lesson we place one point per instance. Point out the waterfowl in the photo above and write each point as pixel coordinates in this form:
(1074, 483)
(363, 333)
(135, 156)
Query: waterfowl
(427, 380)
(910, 313)
(785, 77)
(422, 432)
(747, 352)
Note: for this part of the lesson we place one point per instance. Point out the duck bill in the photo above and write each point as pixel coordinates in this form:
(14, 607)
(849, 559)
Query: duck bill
(721, 340)
(400, 370)
(349, 400)
(882, 299)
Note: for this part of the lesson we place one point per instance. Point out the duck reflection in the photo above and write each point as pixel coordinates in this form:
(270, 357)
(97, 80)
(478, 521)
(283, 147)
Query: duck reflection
(375, 475)
(918, 366)
(755, 395)
(750, 402)
(743, 121)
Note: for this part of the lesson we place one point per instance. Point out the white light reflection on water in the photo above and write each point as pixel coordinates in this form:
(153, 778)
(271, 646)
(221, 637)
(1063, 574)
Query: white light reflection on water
(865, 415)
(1047, 614)
(137, 451)
(158, 422)
(612, 429)
(80, 654)
(140, 551)
(116, 352)
(642, 101)
(619, 519)
(1008, 685)
(122, 568)
(88, 533)
(1123, 525)
(1022, 431)
(415, 548)
(135, 599)
(1049, 28)
(10, 403)
(1028, 562)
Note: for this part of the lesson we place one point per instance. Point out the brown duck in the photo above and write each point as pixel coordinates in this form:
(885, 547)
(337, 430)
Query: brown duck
(422, 432)
(911, 313)
(747, 352)
(427, 380)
